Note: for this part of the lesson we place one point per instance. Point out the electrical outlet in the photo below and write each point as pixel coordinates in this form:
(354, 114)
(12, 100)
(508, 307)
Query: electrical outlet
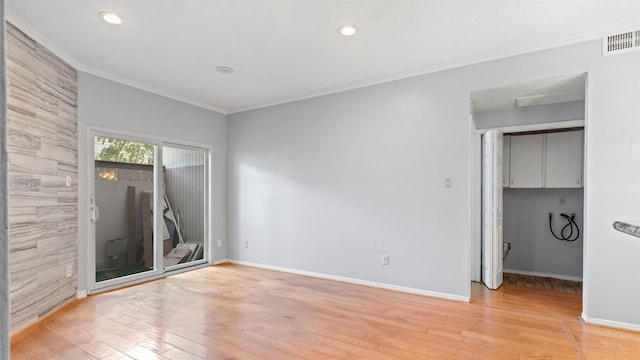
(448, 182)
(69, 270)
(68, 181)
(245, 244)
(563, 200)
(219, 242)
(385, 259)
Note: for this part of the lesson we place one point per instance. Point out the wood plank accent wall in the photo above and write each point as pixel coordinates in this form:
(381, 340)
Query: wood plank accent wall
(42, 106)
(4, 199)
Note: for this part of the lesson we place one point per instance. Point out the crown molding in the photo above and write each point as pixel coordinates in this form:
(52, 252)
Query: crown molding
(24, 26)
(429, 69)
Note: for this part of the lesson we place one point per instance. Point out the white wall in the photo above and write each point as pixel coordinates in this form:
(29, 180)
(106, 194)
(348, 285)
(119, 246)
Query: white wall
(110, 105)
(526, 227)
(329, 184)
(612, 263)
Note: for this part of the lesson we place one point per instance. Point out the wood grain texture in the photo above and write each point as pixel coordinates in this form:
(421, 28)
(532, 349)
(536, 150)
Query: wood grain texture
(43, 211)
(238, 312)
(4, 200)
(131, 225)
(147, 228)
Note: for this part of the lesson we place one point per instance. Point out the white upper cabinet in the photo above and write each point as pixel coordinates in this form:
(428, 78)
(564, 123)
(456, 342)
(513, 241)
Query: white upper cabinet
(564, 159)
(527, 161)
(552, 160)
(506, 157)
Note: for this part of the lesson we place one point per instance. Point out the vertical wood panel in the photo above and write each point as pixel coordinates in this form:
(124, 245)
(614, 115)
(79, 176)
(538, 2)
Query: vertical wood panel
(4, 209)
(147, 230)
(43, 150)
(131, 225)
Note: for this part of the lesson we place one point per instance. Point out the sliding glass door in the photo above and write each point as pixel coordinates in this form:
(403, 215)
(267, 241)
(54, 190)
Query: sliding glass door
(139, 185)
(185, 174)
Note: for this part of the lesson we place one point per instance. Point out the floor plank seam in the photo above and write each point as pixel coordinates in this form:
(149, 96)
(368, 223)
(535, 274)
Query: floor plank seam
(572, 340)
(520, 311)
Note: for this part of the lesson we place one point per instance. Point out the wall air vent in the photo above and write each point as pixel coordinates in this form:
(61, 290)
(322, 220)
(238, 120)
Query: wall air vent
(623, 42)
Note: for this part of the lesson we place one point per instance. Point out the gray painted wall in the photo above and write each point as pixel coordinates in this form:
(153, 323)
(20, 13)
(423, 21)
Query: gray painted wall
(526, 227)
(573, 110)
(331, 183)
(4, 203)
(110, 105)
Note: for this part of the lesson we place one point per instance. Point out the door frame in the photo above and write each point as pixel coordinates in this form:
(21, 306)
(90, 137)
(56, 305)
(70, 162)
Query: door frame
(207, 207)
(159, 271)
(475, 267)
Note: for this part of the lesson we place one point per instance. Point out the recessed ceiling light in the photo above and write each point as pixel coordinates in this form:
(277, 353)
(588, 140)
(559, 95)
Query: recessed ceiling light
(347, 30)
(224, 69)
(111, 18)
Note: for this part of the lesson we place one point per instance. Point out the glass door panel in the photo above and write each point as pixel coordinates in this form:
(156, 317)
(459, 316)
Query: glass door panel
(139, 185)
(185, 204)
(122, 205)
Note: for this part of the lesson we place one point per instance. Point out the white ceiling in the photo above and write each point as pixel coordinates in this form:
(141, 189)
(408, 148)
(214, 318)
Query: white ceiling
(287, 50)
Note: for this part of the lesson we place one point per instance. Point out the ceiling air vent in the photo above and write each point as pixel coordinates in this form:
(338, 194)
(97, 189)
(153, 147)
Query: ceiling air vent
(619, 43)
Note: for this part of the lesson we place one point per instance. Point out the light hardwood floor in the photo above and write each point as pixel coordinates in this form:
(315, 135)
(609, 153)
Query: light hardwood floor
(239, 312)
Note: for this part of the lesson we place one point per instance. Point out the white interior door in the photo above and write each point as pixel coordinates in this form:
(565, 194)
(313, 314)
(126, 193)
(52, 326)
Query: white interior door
(492, 162)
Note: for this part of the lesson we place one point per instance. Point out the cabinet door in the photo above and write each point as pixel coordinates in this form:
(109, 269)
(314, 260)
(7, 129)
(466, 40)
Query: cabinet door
(506, 156)
(564, 160)
(527, 161)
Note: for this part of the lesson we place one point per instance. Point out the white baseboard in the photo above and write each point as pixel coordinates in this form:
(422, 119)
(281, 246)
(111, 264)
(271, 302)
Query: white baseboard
(541, 274)
(355, 281)
(221, 261)
(610, 323)
(82, 294)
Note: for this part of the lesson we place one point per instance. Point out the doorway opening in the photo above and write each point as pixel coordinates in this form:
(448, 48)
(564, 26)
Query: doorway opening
(528, 191)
